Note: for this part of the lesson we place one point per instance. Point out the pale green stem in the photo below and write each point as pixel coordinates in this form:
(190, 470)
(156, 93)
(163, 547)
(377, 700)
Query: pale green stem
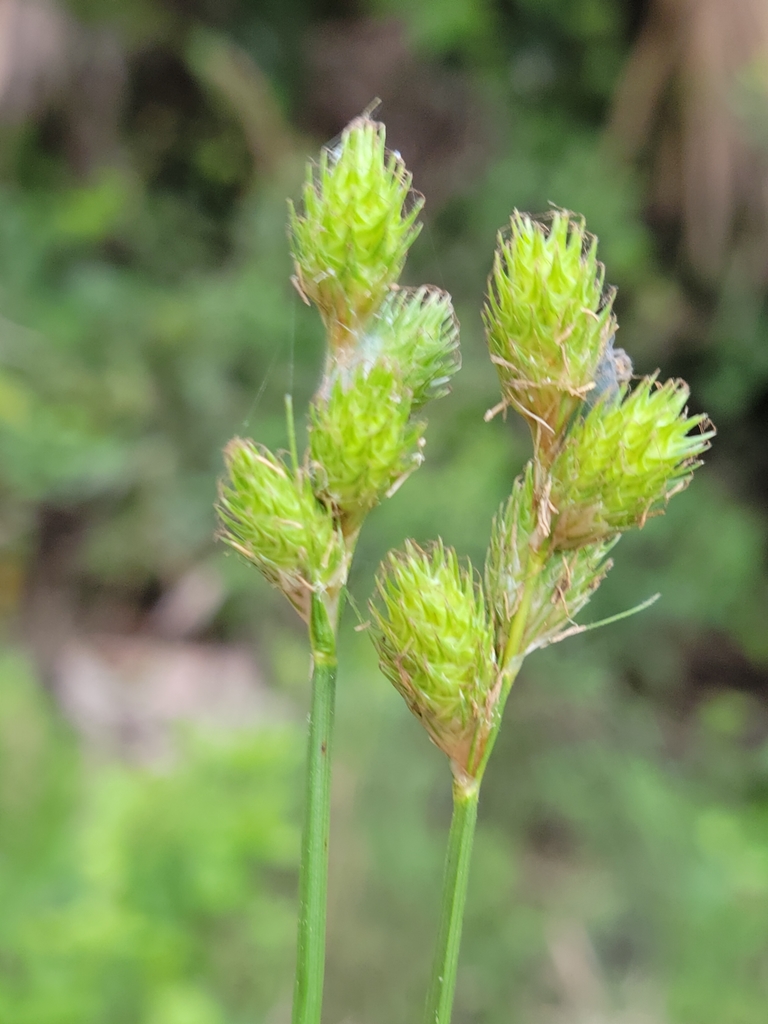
(456, 877)
(313, 873)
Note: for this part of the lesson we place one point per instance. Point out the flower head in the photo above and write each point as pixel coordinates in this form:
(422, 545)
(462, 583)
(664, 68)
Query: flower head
(362, 441)
(352, 234)
(435, 645)
(547, 320)
(623, 461)
(271, 517)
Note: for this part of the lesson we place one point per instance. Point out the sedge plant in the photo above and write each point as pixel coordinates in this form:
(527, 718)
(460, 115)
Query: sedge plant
(389, 351)
(606, 458)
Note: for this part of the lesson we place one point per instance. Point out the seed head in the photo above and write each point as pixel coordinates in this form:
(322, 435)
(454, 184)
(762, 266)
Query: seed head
(435, 645)
(547, 320)
(623, 461)
(357, 222)
(416, 330)
(362, 441)
(271, 517)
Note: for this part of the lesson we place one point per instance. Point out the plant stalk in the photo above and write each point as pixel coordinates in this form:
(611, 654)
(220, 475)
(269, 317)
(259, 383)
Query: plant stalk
(313, 872)
(456, 877)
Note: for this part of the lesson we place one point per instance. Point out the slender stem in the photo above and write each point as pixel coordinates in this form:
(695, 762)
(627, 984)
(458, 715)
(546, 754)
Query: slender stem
(457, 859)
(313, 874)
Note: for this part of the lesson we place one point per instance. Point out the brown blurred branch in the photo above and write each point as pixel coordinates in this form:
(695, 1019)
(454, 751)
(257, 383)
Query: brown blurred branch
(676, 107)
(50, 61)
(235, 79)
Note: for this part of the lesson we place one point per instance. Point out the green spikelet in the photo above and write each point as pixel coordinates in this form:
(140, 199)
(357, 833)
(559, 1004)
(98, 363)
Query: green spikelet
(623, 461)
(352, 234)
(362, 441)
(435, 645)
(547, 320)
(417, 331)
(272, 518)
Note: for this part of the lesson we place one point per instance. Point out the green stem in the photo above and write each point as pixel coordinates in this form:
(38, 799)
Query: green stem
(443, 984)
(313, 873)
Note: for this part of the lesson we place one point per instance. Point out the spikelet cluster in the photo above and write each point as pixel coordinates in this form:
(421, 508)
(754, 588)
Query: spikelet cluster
(389, 351)
(605, 459)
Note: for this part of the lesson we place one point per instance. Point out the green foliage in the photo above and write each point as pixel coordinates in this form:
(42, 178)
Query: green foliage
(439, 26)
(38, 773)
(133, 381)
(150, 896)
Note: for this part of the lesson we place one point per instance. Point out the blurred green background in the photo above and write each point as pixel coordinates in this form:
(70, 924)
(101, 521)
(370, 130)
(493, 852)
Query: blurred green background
(152, 689)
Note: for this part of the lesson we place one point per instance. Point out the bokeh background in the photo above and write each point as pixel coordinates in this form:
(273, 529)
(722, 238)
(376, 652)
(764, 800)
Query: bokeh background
(153, 689)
